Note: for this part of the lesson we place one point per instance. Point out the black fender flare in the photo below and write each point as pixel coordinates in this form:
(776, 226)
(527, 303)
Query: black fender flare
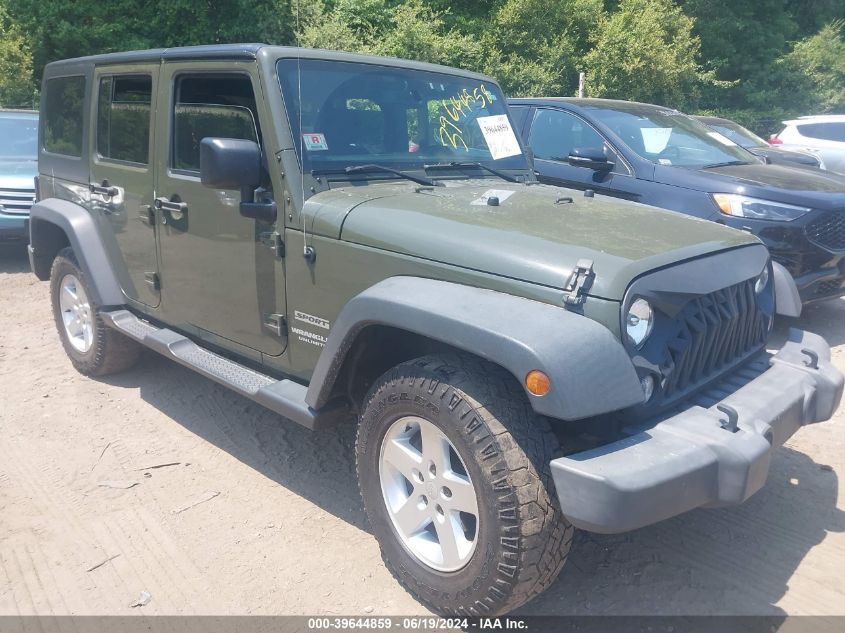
(81, 231)
(590, 371)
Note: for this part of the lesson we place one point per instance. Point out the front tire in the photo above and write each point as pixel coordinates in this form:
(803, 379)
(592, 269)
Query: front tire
(453, 467)
(94, 349)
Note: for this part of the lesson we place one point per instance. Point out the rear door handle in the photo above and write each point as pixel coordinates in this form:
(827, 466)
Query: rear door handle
(104, 189)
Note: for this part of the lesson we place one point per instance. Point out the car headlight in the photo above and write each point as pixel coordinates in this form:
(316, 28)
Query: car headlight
(762, 281)
(639, 321)
(745, 207)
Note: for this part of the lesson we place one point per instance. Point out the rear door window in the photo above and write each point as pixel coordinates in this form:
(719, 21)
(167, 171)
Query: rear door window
(123, 118)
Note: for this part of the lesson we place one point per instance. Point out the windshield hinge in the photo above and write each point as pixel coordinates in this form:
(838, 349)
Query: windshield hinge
(578, 283)
(274, 240)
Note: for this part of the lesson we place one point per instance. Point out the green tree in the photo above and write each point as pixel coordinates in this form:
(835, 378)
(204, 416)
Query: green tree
(57, 29)
(411, 30)
(418, 32)
(16, 84)
(646, 51)
(815, 71)
(541, 44)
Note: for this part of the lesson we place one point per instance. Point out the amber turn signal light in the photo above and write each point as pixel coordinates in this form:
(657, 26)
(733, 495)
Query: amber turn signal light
(537, 382)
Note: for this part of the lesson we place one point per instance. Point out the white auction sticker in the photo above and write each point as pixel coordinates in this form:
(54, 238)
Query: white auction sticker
(499, 136)
(724, 140)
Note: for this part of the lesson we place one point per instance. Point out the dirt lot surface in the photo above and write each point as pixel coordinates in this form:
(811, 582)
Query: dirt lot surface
(232, 510)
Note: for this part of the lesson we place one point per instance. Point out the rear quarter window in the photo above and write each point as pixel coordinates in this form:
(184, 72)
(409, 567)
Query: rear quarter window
(824, 131)
(63, 115)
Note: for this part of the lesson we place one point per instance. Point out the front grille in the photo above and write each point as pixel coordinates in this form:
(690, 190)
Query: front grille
(710, 335)
(828, 287)
(828, 230)
(17, 201)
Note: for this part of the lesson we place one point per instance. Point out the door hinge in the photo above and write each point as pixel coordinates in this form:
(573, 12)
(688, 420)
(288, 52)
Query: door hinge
(274, 240)
(153, 280)
(147, 215)
(578, 283)
(276, 323)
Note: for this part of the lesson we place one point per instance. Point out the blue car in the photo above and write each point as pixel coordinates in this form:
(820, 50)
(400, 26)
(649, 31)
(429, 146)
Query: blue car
(18, 168)
(661, 157)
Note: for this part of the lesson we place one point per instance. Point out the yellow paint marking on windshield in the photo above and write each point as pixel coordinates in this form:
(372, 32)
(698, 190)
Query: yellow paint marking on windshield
(458, 107)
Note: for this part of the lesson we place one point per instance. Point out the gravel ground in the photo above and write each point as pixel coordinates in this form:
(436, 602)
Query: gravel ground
(232, 510)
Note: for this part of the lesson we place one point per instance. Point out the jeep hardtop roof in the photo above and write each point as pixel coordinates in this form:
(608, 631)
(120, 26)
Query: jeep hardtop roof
(249, 51)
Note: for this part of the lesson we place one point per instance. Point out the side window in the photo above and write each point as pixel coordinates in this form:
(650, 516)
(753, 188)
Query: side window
(123, 118)
(210, 106)
(554, 134)
(833, 131)
(63, 115)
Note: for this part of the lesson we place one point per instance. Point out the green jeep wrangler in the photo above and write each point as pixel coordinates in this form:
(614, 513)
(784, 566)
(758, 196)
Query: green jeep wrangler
(349, 238)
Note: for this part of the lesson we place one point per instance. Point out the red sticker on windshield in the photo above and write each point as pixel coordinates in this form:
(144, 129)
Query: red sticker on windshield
(314, 141)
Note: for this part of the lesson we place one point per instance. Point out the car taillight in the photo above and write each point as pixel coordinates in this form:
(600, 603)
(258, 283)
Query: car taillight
(774, 140)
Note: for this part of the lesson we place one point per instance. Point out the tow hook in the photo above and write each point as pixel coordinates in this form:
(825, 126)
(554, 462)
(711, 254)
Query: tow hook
(733, 418)
(813, 362)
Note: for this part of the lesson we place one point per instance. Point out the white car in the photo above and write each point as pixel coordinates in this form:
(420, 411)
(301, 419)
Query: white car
(823, 135)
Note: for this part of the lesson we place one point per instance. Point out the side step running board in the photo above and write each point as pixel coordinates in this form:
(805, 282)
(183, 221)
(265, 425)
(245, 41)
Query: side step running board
(285, 397)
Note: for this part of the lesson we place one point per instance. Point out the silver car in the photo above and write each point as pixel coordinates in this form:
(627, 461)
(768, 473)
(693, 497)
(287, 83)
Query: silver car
(822, 134)
(18, 168)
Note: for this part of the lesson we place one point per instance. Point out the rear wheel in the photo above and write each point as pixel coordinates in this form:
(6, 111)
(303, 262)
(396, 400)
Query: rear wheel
(453, 466)
(93, 348)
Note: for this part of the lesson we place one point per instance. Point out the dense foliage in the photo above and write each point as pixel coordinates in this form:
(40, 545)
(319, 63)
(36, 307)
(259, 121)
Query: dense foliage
(754, 60)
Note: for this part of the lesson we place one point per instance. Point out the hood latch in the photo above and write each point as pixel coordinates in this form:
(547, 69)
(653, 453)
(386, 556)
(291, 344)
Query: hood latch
(578, 283)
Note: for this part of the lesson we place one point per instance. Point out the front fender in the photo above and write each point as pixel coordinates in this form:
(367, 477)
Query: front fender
(787, 299)
(590, 371)
(81, 232)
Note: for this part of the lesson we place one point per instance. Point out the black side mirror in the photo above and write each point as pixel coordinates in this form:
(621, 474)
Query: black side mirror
(230, 163)
(233, 163)
(589, 157)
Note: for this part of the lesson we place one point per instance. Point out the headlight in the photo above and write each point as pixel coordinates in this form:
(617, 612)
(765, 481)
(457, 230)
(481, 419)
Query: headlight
(744, 207)
(762, 281)
(639, 321)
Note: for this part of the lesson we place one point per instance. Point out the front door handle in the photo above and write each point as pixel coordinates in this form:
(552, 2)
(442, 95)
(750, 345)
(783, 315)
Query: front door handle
(168, 205)
(177, 208)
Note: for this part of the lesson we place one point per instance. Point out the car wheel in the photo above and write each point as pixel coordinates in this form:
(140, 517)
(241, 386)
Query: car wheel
(453, 466)
(93, 348)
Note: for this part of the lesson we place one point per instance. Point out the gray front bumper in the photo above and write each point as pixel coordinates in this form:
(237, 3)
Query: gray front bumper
(689, 460)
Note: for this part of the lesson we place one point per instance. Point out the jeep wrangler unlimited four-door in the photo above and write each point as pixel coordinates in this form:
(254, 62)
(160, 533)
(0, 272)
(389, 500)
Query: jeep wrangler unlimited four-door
(341, 237)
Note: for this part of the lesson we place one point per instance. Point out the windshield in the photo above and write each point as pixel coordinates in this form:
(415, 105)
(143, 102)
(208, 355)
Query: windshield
(20, 136)
(667, 137)
(739, 134)
(355, 114)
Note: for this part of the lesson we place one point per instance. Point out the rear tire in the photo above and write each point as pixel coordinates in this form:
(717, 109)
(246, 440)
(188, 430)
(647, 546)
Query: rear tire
(94, 349)
(519, 540)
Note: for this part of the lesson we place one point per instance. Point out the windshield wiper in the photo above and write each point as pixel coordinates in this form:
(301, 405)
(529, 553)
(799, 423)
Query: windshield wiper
(727, 164)
(420, 180)
(487, 168)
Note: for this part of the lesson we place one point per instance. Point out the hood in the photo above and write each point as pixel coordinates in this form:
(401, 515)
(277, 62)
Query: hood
(534, 234)
(780, 155)
(781, 183)
(16, 173)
